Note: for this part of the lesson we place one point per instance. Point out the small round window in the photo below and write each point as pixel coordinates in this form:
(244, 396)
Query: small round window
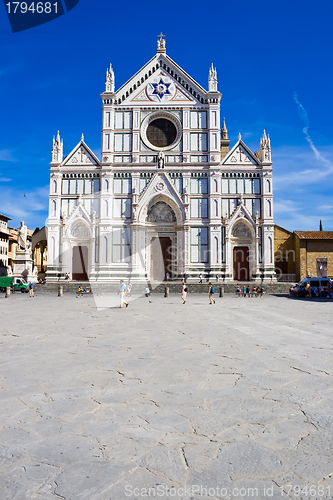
(161, 132)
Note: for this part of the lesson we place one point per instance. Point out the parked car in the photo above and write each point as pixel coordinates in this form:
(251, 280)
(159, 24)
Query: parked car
(16, 284)
(313, 282)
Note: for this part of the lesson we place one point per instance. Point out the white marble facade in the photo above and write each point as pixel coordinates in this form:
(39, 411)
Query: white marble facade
(168, 194)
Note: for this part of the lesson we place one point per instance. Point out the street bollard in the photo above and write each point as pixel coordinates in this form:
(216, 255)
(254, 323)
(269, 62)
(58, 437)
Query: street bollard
(221, 291)
(60, 291)
(166, 291)
(7, 291)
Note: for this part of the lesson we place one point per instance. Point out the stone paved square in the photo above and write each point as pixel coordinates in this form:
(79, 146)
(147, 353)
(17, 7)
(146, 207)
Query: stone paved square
(162, 400)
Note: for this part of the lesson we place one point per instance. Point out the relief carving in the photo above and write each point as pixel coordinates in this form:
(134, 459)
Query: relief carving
(241, 230)
(161, 212)
(80, 231)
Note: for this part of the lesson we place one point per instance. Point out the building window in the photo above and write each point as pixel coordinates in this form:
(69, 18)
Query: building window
(199, 244)
(178, 182)
(269, 208)
(198, 119)
(122, 186)
(122, 208)
(123, 120)
(123, 142)
(143, 181)
(256, 186)
(199, 186)
(121, 244)
(198, 142)
(199, 208)
(216, 208)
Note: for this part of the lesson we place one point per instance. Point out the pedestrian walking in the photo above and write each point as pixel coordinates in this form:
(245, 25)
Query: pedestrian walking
(31, 289)
(128, 289)
(200, 279)
(147, 291)
(211, 291)
(184, 292)
(217, 278)
(184, 277)
(121, 292)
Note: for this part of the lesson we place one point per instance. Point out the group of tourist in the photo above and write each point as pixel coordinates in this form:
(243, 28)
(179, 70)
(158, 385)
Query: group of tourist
(245, 291)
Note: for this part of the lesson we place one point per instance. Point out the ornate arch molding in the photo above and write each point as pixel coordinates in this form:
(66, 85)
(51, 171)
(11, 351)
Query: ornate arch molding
(79, 229)
(242, 229)
(178, 210)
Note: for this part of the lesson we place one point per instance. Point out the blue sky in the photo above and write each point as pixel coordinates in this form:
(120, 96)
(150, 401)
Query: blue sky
(274, 64)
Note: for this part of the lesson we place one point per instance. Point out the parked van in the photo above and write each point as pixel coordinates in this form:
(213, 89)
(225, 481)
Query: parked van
(313, 282)
(16, 284)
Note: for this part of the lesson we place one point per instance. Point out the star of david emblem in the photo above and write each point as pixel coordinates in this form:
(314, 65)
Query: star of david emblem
(161, 88)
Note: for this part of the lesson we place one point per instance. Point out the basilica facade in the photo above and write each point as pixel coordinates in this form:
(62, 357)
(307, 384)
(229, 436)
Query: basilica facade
(168, 195)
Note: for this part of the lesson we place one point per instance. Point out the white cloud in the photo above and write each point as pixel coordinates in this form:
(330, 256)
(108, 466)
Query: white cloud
(5, 179)
(29, 205)
(7, 155)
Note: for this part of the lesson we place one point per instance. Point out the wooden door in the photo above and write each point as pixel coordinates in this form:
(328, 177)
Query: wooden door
(241, 264)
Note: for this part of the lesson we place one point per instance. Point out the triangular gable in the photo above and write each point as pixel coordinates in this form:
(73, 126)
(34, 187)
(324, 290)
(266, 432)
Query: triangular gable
(161, 88)
(79, 213)
(240, 155)
(160, 183)
(241, 212)
(160, 63)
(80, 155)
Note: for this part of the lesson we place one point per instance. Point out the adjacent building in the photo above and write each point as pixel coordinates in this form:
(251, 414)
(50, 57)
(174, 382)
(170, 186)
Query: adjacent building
(168, 194)
(4, 244)
(303, 253)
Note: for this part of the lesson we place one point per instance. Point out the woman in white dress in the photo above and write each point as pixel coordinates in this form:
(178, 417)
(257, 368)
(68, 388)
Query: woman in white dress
(184, 292)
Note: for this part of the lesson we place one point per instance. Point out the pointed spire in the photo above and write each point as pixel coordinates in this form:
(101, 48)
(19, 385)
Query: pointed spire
(57, 149)
(225, 142)
(239, 136)
(265, 148)
(110, 80)
(82, 138)
(161, 44)
(212, 79)
(224, 130)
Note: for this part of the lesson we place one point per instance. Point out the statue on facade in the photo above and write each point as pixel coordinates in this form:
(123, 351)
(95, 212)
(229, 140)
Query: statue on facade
(22, 236)
(160, 160)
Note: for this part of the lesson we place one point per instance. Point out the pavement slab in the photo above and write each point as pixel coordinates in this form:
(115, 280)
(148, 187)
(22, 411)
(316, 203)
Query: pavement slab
(164, 400)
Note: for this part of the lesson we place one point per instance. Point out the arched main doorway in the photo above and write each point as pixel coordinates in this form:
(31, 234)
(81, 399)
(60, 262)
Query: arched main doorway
(241, 263)
(80, 263)
(242, 240)
(161, 220)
